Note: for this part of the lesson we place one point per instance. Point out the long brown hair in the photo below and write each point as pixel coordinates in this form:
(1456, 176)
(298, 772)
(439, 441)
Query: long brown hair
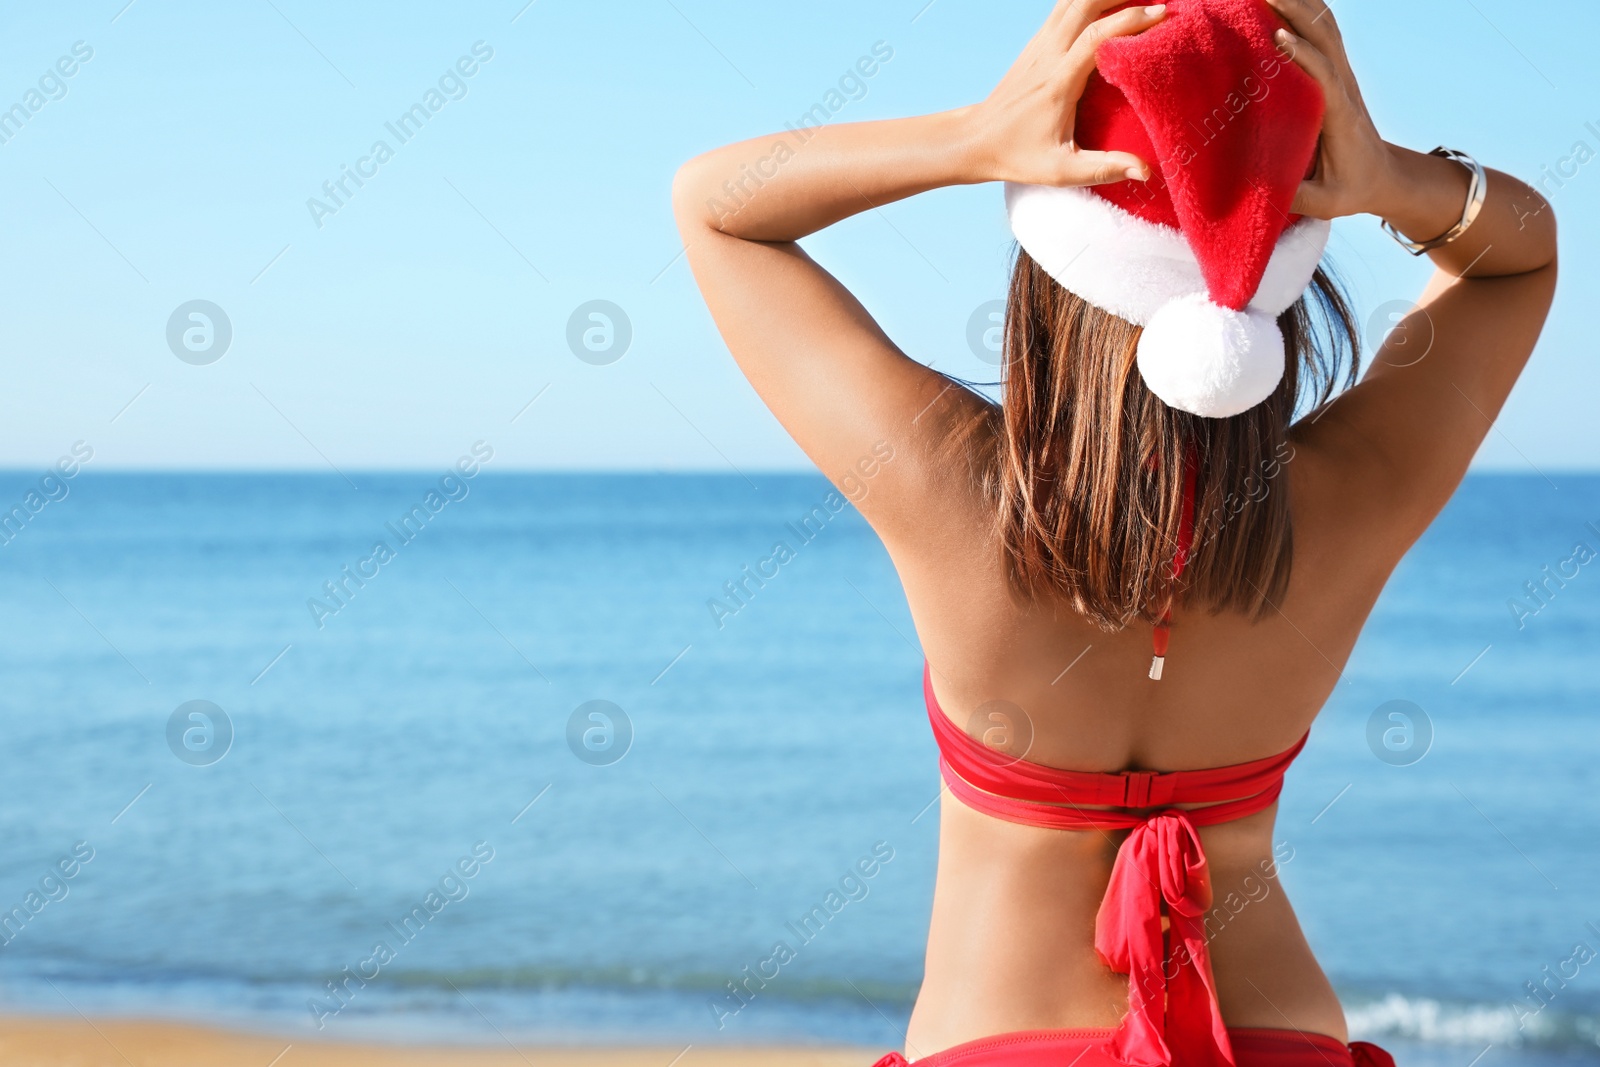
(1087, 466)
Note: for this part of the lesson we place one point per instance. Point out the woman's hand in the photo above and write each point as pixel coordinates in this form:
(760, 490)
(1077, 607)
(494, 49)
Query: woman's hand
(1025, 127)
(1356, 168)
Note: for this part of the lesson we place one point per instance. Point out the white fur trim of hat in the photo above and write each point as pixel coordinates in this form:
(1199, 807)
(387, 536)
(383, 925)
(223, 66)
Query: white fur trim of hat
(1195, 355)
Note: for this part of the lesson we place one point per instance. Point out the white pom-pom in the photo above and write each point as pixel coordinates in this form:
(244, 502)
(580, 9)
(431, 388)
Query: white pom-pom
(1210, 360)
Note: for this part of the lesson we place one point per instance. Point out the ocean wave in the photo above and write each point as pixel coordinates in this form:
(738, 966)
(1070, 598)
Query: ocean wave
(1425, 1020)
(533, 979)
(1384, 1016)
(792, 987)
(1387, 1015)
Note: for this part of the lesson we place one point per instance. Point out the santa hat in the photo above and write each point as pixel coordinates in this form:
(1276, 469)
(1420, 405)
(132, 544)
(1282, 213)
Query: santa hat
(1206, 255)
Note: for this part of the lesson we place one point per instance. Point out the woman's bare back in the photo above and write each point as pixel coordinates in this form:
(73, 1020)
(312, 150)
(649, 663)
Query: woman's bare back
(1011, 943)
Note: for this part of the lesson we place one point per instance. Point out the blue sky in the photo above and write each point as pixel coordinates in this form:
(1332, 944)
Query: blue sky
(176, 164)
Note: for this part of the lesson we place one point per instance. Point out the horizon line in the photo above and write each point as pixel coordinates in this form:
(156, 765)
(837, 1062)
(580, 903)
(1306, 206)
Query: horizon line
(99, 469)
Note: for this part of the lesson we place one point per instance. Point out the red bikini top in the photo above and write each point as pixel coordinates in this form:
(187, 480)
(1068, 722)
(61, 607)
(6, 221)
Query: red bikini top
(1160, 869)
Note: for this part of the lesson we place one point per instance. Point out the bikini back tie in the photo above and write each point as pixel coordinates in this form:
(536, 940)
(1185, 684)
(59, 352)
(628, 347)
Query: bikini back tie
(1173, 1015)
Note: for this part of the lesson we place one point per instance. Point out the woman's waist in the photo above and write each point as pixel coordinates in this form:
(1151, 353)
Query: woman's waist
(995, 965)
(1017, 939)
(1009, 888)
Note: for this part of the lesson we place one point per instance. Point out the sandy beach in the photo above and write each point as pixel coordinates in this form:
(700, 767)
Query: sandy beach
(104, 1043)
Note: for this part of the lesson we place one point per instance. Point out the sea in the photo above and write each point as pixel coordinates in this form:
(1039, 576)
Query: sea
(566, 758)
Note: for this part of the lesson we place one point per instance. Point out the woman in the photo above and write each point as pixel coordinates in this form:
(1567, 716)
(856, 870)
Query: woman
(1046, 543)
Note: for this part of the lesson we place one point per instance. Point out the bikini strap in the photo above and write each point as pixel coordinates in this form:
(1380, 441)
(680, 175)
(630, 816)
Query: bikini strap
(1021, 791)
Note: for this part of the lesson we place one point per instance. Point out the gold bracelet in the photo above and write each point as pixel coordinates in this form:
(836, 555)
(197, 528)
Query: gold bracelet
(1476, 195)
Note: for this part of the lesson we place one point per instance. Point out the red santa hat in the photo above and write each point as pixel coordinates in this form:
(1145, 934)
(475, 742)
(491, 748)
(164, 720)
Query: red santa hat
(1206, 255)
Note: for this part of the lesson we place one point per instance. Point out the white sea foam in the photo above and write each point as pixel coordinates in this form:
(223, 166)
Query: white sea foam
(1430, 1021)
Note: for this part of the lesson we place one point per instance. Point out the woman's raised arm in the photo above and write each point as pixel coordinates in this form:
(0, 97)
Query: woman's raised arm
(1401, 441)
(813, 353)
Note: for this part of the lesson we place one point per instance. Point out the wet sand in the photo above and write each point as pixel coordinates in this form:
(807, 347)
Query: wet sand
(122, 1043)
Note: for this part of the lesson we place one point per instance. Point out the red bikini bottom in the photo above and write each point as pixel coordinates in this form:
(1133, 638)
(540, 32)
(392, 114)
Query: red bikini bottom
(1090, 1048)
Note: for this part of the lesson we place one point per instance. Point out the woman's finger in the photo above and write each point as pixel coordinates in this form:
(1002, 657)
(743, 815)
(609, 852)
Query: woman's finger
(1103, 168)
(1313, 200)
(1081, 56)
(1074, 16)
(1080, 167)
(1312, 20)
(1310, 59)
